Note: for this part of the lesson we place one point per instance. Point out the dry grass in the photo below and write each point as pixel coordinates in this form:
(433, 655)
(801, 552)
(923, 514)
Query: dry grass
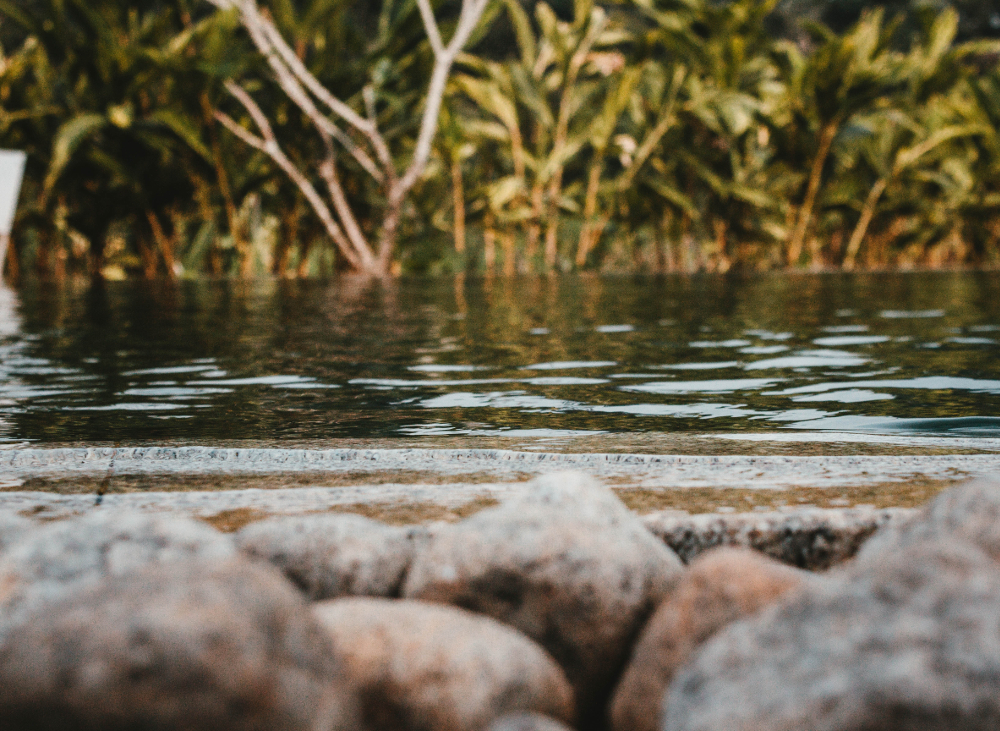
(710, 499)
(395, 513)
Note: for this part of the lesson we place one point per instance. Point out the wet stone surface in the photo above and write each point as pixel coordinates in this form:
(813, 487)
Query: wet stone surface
(414, 666)
(720, 587)
(567, 564)
(198, 644)
(328, 556)
(58, 559)
(908, 642)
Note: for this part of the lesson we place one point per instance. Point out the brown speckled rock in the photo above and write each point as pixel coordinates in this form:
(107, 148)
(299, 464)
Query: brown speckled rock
(908, 643)
(810, 538)
(196, 645)
(567, 564)
(426, 667)
(55, 560)
(720, 587)
(526, 722)
(970, 511)
(329, 556)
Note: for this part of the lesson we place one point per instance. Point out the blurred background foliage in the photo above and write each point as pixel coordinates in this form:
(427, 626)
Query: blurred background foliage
(635, 135)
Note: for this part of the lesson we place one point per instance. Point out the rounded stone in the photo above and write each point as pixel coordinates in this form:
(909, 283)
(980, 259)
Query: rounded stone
(970, 511)
(58, 559)
(719, 587)
(13, 528)
(199, 645)
(330, 556)
(567, 564)
(426, 667)
(908, 643)
(526, 722)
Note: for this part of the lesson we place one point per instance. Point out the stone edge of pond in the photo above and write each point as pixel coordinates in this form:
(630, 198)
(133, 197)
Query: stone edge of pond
(808, 537)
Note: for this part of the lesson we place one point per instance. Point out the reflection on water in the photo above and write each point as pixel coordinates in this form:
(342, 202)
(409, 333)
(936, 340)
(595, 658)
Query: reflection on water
(203, 361)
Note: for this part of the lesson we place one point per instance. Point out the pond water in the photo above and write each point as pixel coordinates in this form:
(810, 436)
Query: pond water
(289, 362)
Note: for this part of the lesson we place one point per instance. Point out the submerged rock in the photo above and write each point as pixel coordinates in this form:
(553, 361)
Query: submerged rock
(970, 511)
(426, 667)
(329, 556)
(720, 587)
(909, 642)
(198, 644)
(810, 538)
(526, 722)
(58, 559)
(567, 564)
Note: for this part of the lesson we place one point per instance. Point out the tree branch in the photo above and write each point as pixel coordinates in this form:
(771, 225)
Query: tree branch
(431, 26)
(328, 171)
(258, 26)
(268, 144)
(275, 42)
(472, 11)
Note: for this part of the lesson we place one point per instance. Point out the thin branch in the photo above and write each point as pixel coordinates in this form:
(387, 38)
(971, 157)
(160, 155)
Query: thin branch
(328, 171)
(472, 11)
(368, 94)
(290, 85)
(269, 146)
(276, 42)
(431, 26)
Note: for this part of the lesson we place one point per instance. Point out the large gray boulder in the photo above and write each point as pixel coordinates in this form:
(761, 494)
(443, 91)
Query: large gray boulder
(718, 588)
(426, 667)
(196, 644)
(910, 643)
(970, 511)
(53, 561)
(567, 564)
(329, 556)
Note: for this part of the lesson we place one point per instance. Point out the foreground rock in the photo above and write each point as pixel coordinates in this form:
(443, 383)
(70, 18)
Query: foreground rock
(329, 556)
(12, 528)
(53, 561)
(810, 538)
(720, 587)
(970, 511)
(567, 564)
(426, 667)
(526, 722)
(197, 645)
(910, 642)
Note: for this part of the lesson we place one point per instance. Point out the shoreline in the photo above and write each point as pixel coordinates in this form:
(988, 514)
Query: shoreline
(211, 480)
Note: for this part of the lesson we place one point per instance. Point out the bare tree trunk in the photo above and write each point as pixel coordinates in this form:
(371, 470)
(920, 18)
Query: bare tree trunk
(289, 233)
(587, 239)
(302, 269)
(826, 137)
(509, 253)
(458, 204)
(535, 227)
(301, 87)
(489, 243)
(867, 213)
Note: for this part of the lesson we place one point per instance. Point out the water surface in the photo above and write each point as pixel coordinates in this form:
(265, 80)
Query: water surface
(548, 359)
